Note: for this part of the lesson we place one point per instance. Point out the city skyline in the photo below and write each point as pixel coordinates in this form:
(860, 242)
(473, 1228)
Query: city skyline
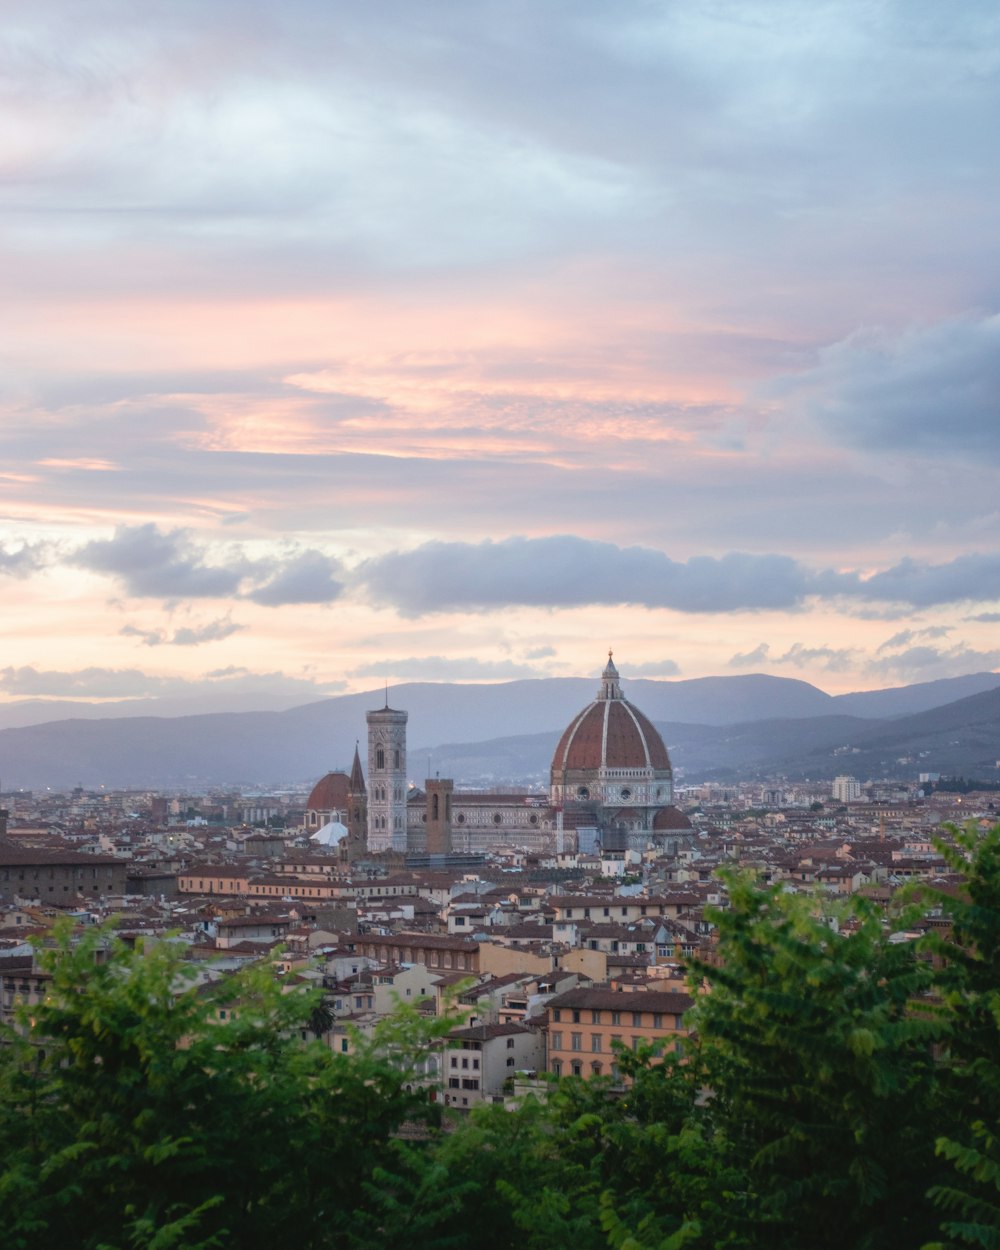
(462, 342)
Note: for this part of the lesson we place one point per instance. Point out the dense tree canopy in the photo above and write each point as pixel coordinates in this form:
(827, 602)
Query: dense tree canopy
(841, 1088)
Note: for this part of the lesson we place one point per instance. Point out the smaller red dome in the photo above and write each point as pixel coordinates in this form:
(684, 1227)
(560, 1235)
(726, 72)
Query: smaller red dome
(330, 793)
(670, 819)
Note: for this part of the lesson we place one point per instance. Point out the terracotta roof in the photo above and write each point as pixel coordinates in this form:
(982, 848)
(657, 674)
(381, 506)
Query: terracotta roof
(610, 733)
(671, 818)
(330, 793)
(484, 1032)
(614, 1000)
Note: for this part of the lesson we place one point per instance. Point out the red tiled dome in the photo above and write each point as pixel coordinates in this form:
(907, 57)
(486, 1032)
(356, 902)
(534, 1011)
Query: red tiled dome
(610, 733)
(329, 794)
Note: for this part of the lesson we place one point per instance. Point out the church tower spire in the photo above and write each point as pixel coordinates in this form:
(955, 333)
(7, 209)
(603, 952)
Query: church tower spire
(610, 686)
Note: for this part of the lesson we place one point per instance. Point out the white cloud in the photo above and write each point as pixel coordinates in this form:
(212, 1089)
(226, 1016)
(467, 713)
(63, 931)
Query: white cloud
(95, 682)
(186, 635)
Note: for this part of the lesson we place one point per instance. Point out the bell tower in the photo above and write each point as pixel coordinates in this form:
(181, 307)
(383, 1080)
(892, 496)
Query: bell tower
(439, 796)
(387, 790)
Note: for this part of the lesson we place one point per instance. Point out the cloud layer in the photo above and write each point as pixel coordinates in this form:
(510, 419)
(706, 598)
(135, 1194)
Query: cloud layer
(484, 336)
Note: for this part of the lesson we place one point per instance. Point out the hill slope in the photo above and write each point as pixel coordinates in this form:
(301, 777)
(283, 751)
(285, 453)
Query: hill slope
(746, 724)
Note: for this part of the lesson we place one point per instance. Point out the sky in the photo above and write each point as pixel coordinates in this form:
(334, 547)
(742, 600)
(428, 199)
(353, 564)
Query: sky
(344, 344)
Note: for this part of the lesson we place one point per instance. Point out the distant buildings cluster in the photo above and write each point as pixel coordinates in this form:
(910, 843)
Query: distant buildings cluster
(558, 922)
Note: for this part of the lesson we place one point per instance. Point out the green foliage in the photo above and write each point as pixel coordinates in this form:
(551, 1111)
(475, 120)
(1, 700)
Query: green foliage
(133, 1116)
(970, 986)
(817, 1054)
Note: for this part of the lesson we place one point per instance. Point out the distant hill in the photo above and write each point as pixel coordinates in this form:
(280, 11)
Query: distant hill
(921, 697)
(742, 725)
(960, 738)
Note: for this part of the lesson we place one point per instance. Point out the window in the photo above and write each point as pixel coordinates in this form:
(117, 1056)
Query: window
(557, 1067)
(577, 1067)
(576, 1017)
(657, 1020)
(380, 757)
(595, 1017)
(636, 1019)
(595, 1043)
(616, 1017)
(453, 1082)
(576, 1041)
(510, 1062)
(510, 1043)
(556, 1014)
(556, 1041)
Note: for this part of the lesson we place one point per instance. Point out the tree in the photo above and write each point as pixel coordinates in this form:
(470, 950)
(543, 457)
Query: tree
(141, 1109)
(816, 1051)
(969, 982)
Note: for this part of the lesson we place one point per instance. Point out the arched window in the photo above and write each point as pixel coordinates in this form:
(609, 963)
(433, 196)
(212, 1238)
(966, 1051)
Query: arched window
(395, 758)
(435, 815)
(447, 807)
(380, 757)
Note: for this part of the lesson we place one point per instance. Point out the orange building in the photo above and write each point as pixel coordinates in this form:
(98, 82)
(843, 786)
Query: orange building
(586, 1026)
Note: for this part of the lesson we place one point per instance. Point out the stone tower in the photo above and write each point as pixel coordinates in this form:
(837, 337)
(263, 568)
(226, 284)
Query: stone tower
(439, 794)
(356, 816)
(386, 780)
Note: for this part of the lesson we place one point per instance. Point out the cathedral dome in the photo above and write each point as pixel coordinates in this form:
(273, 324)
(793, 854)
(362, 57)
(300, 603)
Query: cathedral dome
(610, 733)
(611, 754)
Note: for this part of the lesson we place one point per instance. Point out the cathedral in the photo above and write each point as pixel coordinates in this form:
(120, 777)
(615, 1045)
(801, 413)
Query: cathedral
(611, 789)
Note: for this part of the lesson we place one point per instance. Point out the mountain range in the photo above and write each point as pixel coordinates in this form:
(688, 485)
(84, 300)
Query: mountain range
(724, 727)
